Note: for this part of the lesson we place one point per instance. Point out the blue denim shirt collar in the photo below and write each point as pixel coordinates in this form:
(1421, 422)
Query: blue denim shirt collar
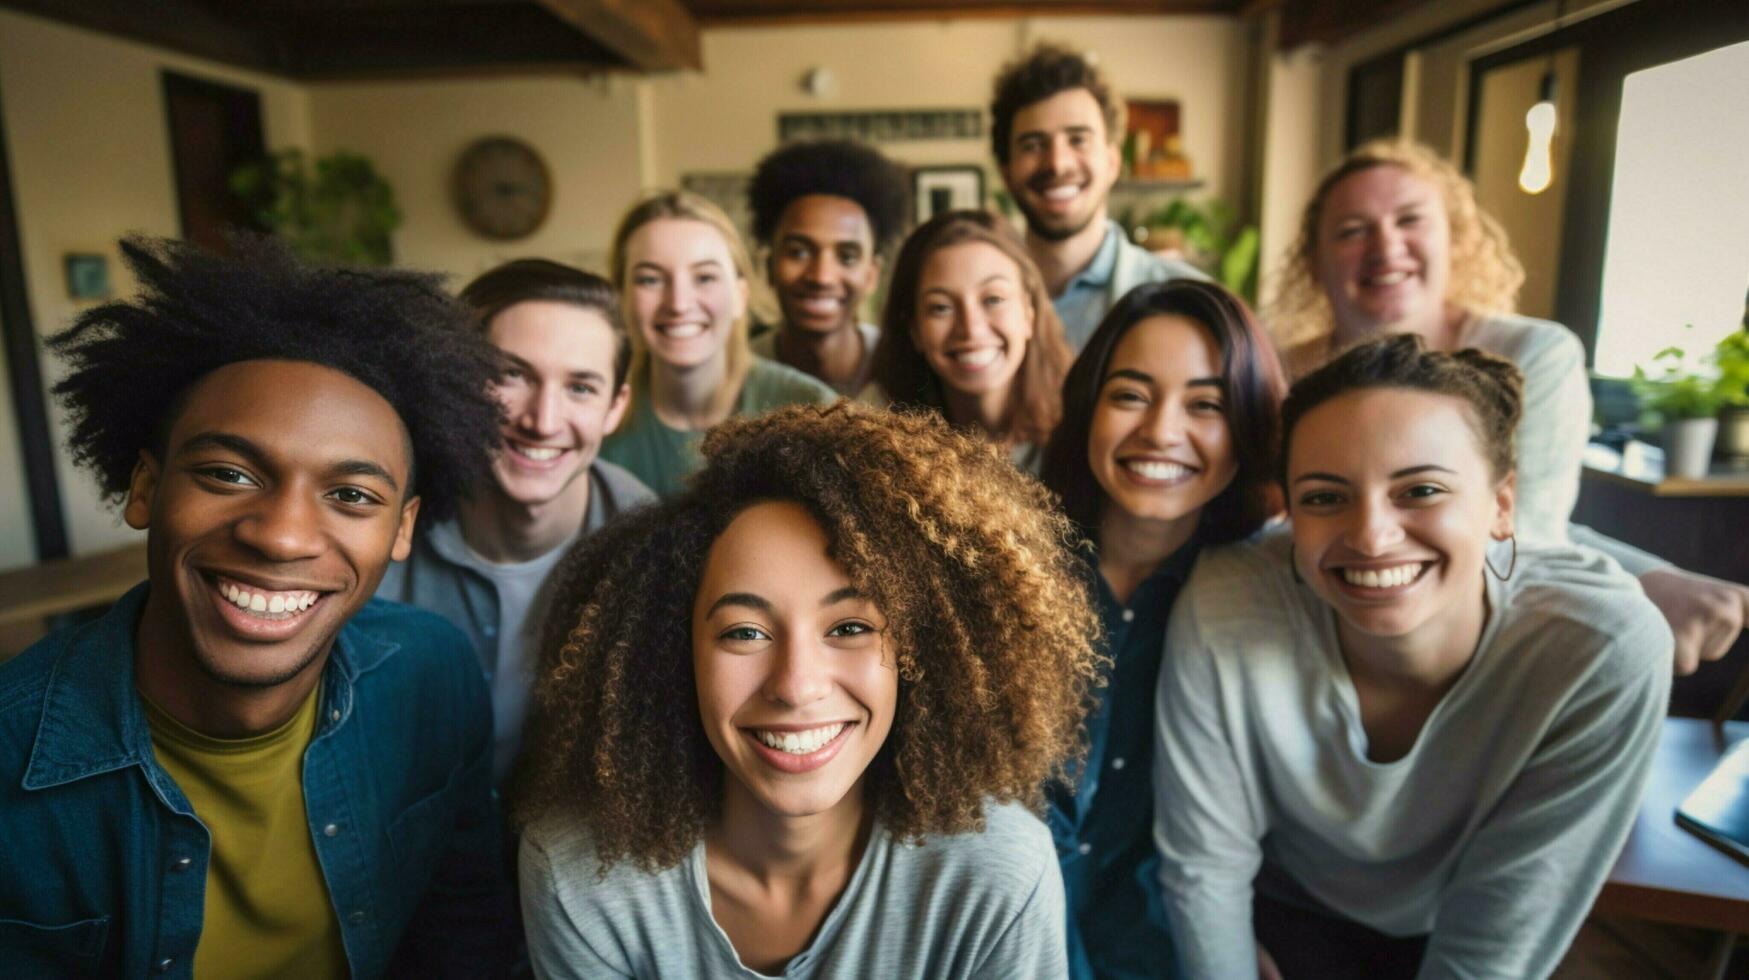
(92, 721)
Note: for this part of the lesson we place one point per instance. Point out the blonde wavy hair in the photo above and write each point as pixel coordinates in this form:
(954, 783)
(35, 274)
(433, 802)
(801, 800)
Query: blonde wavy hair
(989, 623)
(1485, 275)
(687, 206)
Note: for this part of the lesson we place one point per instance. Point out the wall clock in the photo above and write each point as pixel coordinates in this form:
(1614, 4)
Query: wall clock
(502, 188)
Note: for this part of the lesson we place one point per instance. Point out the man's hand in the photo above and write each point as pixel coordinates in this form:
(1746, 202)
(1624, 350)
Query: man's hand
(1705, 613)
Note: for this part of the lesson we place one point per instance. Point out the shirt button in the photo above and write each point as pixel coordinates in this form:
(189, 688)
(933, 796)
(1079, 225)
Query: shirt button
(1117, 763)
(165, 964)
(181, 864)
(1129, 615)
(332, 830)
(1085, 848)
(334, 715)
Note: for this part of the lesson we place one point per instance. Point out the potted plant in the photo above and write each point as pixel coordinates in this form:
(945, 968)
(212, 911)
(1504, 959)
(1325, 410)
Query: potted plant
(1732, 358)
(1686, 398)
(342, 213)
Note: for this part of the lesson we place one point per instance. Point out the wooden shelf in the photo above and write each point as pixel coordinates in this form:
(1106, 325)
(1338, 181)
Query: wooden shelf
(1641, 468)
(1155, 185)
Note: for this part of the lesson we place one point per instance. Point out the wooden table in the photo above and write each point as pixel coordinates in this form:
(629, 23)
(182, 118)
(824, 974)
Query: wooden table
(1667, 874)
(28, 596)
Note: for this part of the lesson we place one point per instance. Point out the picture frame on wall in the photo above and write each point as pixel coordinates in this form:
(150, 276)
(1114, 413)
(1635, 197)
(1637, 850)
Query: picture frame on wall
(937, 189)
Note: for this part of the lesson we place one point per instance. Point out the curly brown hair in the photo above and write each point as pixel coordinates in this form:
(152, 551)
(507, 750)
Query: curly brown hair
(1039, 74)
(1485, 275)
(989, 623)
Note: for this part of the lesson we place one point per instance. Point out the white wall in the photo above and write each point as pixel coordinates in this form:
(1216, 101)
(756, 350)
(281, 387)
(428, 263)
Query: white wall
(85, 127)
(725, 118)
(587, 130)
(91, 160)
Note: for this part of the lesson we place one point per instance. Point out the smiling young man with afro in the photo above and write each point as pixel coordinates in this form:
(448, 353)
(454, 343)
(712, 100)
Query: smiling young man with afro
(242, 766)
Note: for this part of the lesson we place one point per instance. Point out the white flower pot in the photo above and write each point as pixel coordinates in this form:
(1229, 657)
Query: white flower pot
(1688, 447)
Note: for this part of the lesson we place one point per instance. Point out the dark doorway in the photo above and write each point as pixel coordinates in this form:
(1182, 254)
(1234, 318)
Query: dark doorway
(214, 129)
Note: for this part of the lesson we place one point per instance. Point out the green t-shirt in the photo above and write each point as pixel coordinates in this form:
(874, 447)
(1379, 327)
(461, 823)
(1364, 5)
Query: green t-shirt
(663, 457)
(267, 912)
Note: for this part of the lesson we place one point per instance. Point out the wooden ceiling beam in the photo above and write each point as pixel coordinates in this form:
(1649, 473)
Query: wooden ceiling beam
(651, 35)
(443, 40)
(752, 12)
(180, 25)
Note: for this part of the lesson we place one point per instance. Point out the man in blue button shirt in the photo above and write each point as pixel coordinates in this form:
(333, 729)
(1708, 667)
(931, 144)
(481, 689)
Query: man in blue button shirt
(1055, 127)
(243, 768)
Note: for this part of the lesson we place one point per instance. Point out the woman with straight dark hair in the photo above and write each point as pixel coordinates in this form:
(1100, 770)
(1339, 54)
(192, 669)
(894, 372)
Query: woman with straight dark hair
(970, 332)
(1167, 446)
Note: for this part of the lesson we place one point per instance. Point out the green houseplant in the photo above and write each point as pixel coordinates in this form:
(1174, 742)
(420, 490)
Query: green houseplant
(1732, 357)
(338, 211)
(1685, 394)
(1212, 236)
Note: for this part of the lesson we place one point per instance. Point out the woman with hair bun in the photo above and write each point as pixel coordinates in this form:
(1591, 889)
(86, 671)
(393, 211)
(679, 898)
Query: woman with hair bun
(1393, 241)
(1400, 741)
(796, 720)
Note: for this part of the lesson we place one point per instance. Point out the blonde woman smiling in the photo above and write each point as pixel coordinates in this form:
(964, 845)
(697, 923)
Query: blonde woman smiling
(685, 280)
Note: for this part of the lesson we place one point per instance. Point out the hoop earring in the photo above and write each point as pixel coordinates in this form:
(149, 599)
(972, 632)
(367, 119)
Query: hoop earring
(1510, 565)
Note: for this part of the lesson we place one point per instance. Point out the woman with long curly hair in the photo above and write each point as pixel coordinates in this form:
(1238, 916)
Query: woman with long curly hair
(1393, 241)
(794, 719)
(970, 332)
(1166, 448)
(686, 281)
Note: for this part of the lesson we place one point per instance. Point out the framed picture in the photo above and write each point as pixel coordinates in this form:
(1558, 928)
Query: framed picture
(1153, 148)
(727, 191)
(937, 189)
(87, 275)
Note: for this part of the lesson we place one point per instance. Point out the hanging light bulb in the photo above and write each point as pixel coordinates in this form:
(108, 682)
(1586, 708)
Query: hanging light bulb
(1539, 167)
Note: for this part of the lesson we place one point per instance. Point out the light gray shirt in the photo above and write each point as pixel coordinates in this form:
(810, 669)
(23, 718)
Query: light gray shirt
(970, 905)
(1553, 431)
(1119, 266)
(1493, 834)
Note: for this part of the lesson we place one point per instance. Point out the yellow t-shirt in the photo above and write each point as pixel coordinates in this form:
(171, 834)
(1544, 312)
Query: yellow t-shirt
(267, 907)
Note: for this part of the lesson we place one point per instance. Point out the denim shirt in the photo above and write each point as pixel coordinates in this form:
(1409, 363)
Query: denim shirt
(106, 863)
(1104, 829)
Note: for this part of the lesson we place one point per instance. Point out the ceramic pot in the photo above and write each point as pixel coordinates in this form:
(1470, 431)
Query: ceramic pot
(1688, 447)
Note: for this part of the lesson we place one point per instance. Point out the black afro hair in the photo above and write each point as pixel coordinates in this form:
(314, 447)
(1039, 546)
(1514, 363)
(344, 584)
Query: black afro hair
(839, 168)
(131, 363)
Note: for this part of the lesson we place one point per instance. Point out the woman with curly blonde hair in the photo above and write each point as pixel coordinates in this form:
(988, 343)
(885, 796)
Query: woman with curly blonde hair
(793, 720)
(1393, 241)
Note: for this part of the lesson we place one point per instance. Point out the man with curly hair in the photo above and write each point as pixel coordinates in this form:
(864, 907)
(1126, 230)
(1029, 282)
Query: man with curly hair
(826, 213)
(1055, 126)
(822, 688)
(242, 768)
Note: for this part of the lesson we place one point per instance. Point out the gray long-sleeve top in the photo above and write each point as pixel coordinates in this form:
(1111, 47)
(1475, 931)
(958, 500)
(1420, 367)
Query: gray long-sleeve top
(975, 905)
(1493, 834)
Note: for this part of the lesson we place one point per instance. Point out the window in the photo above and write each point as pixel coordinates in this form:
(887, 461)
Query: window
(1677, 248)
